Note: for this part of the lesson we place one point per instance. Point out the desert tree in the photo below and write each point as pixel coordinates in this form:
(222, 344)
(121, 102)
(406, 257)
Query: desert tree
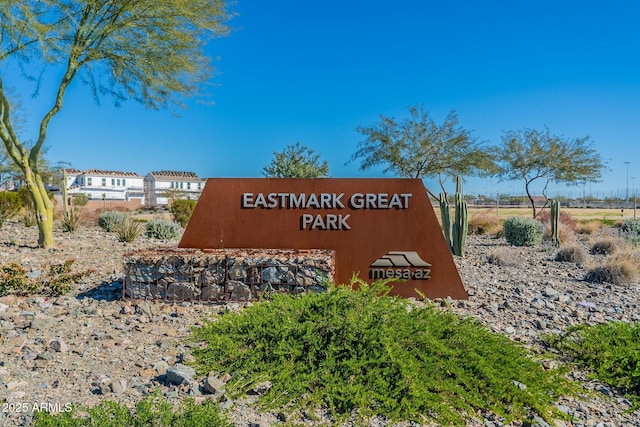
(296, 161)
(532, 156)
(150, 51)
(418, 147)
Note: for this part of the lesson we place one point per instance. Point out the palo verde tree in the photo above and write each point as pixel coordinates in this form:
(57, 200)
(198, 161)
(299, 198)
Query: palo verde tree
(147, 50)
(540, 156)
(296, 161)
(418, 147)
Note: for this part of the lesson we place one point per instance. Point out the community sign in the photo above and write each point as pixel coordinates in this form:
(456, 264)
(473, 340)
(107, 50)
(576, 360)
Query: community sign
(378, 228)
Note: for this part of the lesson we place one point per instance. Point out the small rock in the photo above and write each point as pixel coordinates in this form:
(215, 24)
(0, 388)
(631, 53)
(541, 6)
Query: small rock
(160, 367)
(213, 385)
(119, 386)
(179, 374)
(604, 390)
(262, 388)
(58, 345)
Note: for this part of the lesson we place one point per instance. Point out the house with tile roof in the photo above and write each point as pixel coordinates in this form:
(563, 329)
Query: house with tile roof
(106, 185)
(161, 186)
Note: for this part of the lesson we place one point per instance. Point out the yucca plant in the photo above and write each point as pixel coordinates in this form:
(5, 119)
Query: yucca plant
(71, 220)
(128, 229)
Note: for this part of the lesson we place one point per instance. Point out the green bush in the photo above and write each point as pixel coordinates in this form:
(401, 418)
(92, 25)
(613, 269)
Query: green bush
(630, 231)
(80, 199)
(162, 229)
(610, 350)
(523, 231)
(58, 281)
(363, 352)
(10, 204)
(181, 210)
(12, 276)
(151, 411)
(108, 219)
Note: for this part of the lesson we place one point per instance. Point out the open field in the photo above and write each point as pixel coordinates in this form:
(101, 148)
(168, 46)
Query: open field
(579, 214)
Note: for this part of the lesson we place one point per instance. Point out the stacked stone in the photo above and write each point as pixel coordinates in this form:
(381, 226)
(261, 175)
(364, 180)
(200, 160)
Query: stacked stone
(179, 274)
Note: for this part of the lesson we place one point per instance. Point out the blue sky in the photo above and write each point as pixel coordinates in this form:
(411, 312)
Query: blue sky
(312, 72)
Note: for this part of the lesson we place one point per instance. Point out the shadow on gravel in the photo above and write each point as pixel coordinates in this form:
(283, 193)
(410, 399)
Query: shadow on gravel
(107, 291)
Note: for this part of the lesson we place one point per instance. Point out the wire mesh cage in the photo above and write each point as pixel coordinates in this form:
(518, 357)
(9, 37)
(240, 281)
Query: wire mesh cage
(176, 274)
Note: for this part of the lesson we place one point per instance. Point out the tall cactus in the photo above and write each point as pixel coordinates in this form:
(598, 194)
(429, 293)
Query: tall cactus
(554, 219)
(455, 232)
(446, 219)
(65, 207)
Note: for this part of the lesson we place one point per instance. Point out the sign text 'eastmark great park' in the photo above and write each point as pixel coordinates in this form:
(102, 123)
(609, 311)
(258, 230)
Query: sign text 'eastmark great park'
(327, 201)
(377, 228)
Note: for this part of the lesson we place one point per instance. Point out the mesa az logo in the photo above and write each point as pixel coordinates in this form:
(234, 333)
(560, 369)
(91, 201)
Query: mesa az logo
(405, 265)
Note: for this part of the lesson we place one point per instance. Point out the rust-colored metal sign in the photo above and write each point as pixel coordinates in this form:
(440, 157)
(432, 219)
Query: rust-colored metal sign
(378, 228)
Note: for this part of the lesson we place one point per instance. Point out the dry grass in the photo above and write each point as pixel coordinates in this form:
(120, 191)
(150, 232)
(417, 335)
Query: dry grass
(484, 223)
(606, 246)
(571, 253)
(503, 257)
(566, 233)
(589, 226)
(620, 269)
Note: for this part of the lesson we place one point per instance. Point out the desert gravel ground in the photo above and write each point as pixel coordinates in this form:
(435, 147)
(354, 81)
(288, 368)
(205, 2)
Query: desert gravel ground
(91, 345)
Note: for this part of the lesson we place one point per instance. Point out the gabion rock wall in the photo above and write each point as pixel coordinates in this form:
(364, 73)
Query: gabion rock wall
(178, 274)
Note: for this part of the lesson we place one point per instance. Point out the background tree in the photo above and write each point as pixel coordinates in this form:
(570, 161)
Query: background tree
(417, 147)
(296, 161)
(146, 50)
(531, 155)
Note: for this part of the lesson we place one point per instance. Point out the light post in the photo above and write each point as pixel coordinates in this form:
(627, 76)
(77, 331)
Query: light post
(627, 197)
(633, 185)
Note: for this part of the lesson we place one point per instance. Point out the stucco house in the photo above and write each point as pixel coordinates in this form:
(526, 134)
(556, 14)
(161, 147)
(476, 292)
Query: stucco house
(159, 186)
(106, 185)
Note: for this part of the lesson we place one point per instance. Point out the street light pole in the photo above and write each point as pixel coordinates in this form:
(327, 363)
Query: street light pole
(633, 184)
(627, 198)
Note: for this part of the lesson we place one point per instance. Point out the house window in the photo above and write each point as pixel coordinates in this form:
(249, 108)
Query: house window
(123, 183)
(118, 182)
(188, 186)
(113, 182)
(199, 186)
(104, 182)
(89, 181)
(181, 185)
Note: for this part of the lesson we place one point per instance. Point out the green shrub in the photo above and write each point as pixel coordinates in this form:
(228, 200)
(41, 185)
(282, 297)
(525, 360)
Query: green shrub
(162, 229)
(181, 210)
(522, 231)
(80, 199)
(151, 411)
(128, 229)
(12, 276)
(58, 281)
(610, 350)
(363, 352)
(10, 205)
(630, 231)
(108, 219)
